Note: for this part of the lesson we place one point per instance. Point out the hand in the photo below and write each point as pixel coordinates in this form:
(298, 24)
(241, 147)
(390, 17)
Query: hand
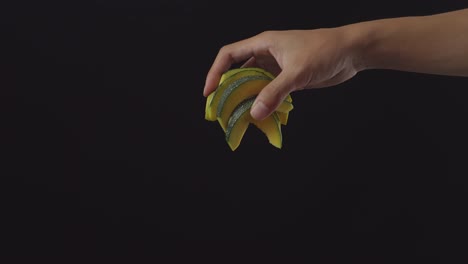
(319, 58)
(299, 59)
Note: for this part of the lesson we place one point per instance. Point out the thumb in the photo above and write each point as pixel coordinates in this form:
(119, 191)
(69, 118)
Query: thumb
(271, 96)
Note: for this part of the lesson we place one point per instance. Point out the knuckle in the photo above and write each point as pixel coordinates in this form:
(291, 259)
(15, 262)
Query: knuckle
(223, 50)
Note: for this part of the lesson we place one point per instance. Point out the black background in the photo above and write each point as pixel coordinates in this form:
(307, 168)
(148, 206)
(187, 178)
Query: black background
(105, 150)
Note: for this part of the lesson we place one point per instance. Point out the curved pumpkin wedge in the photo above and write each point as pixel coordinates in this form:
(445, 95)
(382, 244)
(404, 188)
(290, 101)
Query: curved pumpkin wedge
(240, 90)
(283, 111)
(231, 72)
(285, 107)
(271, 127)
(238, 124)
(226, 79)
(227, 74)
(232, 97)
(210, 114)
(240, 120)
(283, 117)
(236, 92)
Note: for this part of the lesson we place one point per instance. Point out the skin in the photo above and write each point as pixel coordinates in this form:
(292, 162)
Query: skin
(318, 58)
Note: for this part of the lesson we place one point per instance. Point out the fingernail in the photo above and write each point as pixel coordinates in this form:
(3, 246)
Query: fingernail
(259, 110)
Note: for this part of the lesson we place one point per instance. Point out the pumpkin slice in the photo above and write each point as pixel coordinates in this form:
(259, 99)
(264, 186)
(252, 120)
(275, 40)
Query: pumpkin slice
(211, 108)
(227, 74)
(208, 113)
(231, 72)
(236, 92)
(240, 102)
(271, 126)
(284, 115)
(240, 121)
(211, 105)
(238, 124)
(282, 112)
(240, 90)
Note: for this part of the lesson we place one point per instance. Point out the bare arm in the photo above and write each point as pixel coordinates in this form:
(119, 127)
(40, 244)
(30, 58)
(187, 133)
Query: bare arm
(435, 44)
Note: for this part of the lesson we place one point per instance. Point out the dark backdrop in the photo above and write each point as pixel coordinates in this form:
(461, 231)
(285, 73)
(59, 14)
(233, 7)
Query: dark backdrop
(105, 149)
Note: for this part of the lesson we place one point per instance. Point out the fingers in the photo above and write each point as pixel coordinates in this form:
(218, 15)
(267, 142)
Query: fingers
(228, 55)
(252, 62)
(271, 96)
(267, 63)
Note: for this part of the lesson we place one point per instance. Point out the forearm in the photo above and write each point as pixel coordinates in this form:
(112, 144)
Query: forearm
(435, 44)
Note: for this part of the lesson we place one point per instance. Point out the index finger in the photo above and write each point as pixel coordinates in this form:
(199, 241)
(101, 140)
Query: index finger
(228, 55)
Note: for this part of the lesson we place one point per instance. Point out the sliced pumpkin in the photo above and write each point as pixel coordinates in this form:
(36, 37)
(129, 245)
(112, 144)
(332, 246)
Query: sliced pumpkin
(271, 127)
(283, 111)
(238, 124)
(226, 79)
(231, 72)
(231, 102)
(283, 117)
(240, 121)
(240, 90)
(210, 113)
(236, 92)
(210, 97)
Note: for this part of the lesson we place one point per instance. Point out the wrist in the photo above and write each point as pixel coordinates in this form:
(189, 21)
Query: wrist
(361, 38)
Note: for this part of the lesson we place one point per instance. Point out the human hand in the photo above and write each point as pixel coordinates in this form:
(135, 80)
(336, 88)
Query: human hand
(299, 59)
